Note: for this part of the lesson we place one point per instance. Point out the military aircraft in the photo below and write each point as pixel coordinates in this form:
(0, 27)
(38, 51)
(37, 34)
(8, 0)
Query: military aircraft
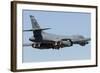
(44, 40)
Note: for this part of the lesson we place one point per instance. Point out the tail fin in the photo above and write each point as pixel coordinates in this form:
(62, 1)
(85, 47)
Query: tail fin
(37, 31)
(35, 24)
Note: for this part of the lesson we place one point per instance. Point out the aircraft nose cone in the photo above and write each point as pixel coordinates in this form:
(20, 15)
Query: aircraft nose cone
(88, 39)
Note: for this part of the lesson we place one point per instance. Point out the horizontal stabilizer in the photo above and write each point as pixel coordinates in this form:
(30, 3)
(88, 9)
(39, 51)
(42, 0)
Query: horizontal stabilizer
(37, 29)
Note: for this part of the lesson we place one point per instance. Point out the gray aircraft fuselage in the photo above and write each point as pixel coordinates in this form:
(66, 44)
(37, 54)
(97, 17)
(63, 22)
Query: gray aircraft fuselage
(44, 40)
(48, 37)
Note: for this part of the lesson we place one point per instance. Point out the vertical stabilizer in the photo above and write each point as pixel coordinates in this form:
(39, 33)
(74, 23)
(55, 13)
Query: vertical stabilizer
(35, 24)
(37, 32)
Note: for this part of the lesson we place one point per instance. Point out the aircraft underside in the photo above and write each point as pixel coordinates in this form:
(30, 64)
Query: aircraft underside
(53, 45)
(47, 46)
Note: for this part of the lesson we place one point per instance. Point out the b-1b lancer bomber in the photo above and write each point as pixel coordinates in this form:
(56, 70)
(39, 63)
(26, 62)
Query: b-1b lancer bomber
(44, 40)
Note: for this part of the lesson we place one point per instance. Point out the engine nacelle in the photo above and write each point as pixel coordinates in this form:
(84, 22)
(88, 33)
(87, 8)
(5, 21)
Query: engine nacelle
(36, 45)
(67, 42)
(83, 43)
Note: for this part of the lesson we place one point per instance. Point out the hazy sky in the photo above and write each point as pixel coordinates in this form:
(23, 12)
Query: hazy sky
(62, 23)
